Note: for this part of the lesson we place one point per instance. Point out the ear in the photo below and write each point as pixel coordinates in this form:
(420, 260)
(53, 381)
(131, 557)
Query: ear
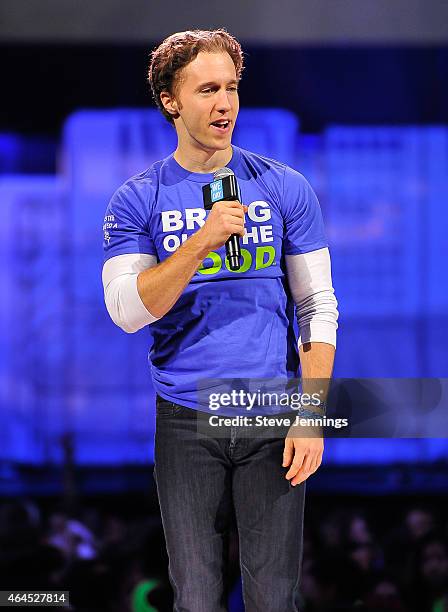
(169, 104)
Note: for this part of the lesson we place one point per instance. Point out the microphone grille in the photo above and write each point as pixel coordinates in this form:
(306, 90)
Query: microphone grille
(222, 172)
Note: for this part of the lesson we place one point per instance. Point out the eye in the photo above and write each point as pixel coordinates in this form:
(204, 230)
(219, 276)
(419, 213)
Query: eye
(233, 88)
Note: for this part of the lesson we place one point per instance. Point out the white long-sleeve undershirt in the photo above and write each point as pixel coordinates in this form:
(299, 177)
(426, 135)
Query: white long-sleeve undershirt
(309, 277)
(123, 301)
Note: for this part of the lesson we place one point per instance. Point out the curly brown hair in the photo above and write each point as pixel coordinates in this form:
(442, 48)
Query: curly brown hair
(178, 50)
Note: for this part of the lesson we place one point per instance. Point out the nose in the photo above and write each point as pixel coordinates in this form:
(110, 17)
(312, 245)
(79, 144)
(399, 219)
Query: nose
(223, 101)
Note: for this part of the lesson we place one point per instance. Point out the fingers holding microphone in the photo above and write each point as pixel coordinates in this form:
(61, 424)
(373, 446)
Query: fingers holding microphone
(225, 218)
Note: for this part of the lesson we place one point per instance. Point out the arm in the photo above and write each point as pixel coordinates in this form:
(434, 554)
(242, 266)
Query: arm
(138, 291)
(316, 359)
(309, 277)
(303, 455)
(161, 287)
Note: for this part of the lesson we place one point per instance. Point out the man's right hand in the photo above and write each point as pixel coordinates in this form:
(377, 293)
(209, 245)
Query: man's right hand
(225, 218)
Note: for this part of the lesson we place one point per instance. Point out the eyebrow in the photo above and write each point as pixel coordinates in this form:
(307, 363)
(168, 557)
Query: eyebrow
(214, 83)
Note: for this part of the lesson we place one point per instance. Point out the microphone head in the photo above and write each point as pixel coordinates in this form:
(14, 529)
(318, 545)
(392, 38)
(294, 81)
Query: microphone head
(222, 173)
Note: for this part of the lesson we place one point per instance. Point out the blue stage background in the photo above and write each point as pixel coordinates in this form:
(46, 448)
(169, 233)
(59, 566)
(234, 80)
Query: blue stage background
(368, 129)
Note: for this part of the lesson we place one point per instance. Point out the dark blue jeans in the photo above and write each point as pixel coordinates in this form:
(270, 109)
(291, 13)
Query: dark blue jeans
(201, 481)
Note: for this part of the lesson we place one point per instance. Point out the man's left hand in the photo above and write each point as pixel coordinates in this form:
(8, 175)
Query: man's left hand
(303, 456)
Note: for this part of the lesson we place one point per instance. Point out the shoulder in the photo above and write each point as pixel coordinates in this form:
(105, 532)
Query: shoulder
(139, 190)
(295, 182)
(259, 165)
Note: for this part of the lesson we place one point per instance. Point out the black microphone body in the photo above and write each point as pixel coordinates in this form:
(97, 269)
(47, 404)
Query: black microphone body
(225, 187)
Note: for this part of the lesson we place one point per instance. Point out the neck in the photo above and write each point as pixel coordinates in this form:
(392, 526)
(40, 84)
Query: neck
(204, 162)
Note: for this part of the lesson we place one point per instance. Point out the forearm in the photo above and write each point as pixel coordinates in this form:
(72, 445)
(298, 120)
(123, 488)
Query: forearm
(161, 286)
(304, 444)
(316, 361)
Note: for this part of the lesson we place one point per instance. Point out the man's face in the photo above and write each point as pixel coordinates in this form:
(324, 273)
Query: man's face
(206, 93)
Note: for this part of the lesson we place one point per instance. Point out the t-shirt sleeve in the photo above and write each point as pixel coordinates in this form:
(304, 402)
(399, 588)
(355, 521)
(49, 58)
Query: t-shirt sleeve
(126, 223)
(304, 226)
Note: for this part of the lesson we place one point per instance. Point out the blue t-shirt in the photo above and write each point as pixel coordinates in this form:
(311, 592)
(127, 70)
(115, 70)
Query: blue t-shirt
(225, 324)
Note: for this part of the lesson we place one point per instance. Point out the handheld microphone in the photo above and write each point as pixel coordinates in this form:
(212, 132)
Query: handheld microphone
(225, 187)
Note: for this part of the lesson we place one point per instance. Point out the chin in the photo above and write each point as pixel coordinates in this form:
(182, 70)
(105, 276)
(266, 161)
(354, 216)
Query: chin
(216, 146)
(222, 145)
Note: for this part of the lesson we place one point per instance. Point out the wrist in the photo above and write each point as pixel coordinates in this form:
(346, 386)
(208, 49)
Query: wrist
(200, 244)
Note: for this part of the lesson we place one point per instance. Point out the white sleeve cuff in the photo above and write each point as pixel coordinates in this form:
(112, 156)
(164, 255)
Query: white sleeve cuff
(317, 331)
(309, 277)
(121, 296)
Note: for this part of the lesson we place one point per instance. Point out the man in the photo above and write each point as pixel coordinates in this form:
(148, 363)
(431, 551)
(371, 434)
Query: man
(165, 267)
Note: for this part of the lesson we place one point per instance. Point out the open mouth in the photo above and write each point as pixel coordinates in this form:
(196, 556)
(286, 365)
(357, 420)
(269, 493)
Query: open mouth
(221, 126)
